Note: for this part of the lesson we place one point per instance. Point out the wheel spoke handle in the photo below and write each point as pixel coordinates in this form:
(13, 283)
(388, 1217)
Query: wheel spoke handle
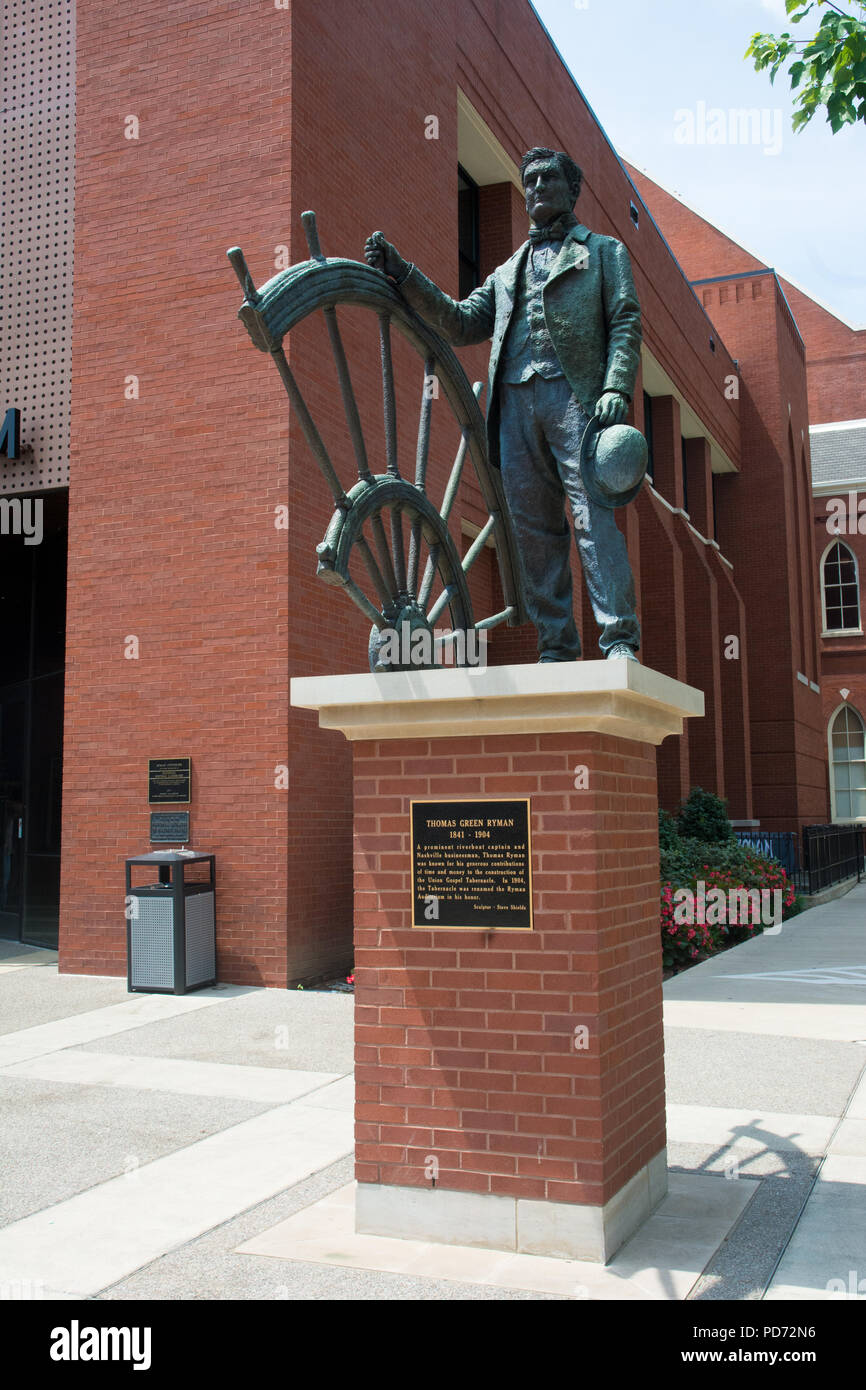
(478, 544)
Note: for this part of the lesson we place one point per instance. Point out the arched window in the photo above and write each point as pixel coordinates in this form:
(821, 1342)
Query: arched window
(840, 589)
(848, 765)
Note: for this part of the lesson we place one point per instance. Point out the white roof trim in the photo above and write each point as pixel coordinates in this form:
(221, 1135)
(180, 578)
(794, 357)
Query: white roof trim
(838, 425)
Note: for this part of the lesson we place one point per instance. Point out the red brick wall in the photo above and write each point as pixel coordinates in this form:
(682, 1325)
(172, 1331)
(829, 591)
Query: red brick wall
(836, 359)
(172, 536)
(465, 1040)
(763, 531)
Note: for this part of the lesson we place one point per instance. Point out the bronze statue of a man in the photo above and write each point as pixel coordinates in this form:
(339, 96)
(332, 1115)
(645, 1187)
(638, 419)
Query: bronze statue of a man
(565, 322)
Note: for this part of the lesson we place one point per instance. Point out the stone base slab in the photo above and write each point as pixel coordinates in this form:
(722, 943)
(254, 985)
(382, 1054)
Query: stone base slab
(563, 1230)
(662, 1262)
(613, 697)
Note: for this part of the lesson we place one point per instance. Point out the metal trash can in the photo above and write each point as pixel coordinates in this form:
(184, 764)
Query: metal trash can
(170, 925)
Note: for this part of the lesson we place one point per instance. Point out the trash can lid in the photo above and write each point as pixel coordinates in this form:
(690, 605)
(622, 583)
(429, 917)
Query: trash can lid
(169, 856)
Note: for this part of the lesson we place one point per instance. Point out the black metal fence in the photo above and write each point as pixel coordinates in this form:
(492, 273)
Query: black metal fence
(777, 844)
(829, 854)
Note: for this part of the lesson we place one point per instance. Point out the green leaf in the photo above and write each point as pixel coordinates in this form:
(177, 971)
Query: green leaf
(797, 71)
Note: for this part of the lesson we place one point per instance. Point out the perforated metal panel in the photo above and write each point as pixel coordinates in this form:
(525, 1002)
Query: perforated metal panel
(37, 112)
(151, 963)
(200, 952)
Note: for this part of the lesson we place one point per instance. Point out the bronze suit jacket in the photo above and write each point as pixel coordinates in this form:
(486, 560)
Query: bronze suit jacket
(590, 307)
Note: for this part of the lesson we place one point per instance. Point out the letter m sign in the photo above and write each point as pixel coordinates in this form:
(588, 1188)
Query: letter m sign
(10, 432)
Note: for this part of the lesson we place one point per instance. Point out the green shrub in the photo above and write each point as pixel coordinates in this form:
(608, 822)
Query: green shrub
(668, 837)
(698, 846)
(722, 866)
(681, 863)
(704, 816)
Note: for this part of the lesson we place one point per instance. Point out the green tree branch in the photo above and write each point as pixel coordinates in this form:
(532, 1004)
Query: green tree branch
(829, 69)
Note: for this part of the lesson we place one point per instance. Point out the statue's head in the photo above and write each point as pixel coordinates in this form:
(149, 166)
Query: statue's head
(551, 183)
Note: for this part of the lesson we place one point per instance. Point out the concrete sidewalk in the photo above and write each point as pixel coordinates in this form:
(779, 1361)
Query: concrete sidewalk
(779, 1026)
(199, 1147)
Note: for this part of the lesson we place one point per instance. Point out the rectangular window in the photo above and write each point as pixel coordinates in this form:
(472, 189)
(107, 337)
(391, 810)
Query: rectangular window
(467, 232)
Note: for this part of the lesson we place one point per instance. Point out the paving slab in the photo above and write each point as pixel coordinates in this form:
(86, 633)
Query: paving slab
(100, 1023)
(850, 1139)
(210, 1267)
(828, 1247)
(268, 1085)
(31, 996)
(57, 1140)
(803, 1076)
(302, 1030)
(89, 1241)
(826, 1021)
(662, 1261)
(744, 1134)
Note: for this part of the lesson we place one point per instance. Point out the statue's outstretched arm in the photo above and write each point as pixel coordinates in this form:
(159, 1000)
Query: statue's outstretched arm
(462, 322)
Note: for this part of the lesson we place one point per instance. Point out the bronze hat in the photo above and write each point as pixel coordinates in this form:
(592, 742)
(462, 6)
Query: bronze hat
(612, 462)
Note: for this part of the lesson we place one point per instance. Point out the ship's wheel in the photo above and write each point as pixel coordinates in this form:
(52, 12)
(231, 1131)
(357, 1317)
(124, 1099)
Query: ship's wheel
(389, 544)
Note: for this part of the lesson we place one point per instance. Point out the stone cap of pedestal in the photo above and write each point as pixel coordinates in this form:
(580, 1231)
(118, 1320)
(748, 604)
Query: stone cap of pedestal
(618, 697)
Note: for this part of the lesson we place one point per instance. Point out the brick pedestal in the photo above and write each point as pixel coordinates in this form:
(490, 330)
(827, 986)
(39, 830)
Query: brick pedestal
(510, 1086)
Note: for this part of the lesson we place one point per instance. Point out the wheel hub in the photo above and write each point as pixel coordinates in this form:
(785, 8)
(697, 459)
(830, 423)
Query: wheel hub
(398, 648)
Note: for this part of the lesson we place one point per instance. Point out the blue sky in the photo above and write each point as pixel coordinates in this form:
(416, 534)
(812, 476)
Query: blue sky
(656, 71)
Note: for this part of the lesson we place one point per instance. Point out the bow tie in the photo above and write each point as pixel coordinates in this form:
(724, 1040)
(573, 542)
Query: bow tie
(557, 230)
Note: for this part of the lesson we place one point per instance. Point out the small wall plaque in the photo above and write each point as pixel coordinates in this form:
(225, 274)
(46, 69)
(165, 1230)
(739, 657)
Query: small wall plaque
(168, 780)
(169, 827)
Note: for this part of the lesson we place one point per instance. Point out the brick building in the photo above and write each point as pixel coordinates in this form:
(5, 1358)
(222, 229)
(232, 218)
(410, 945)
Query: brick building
(163, 449)
(835, 357)
(839, 480)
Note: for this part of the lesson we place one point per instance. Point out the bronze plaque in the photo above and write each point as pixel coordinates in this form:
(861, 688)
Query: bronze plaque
(169, 827)
(471, 865)
(168, 780)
